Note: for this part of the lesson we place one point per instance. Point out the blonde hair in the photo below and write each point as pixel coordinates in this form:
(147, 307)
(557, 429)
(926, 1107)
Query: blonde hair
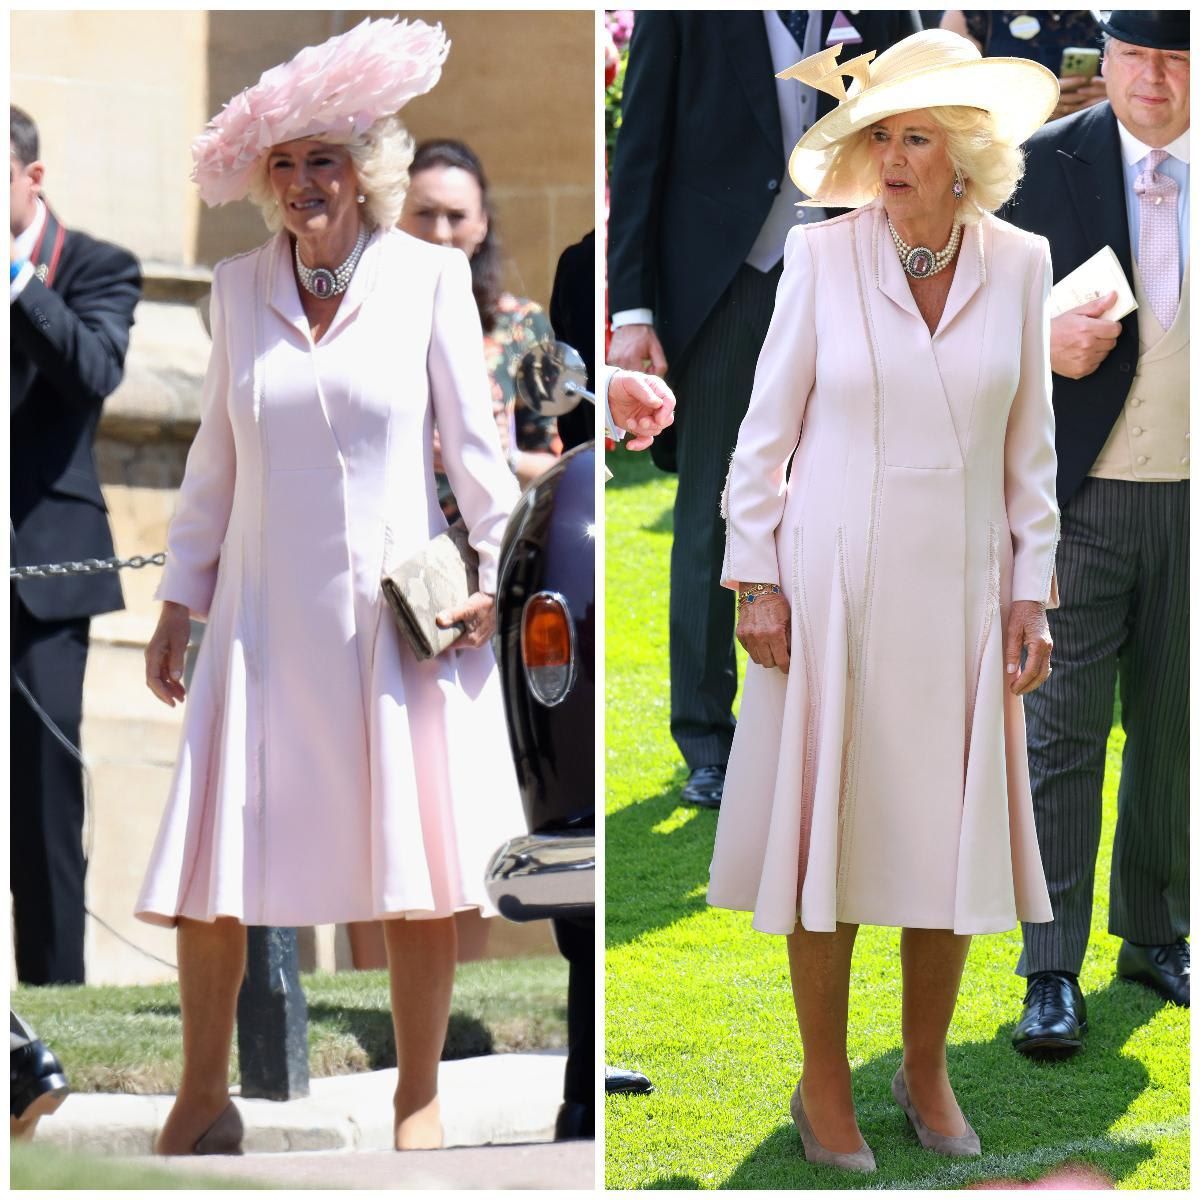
(381, 158)
(990, 168)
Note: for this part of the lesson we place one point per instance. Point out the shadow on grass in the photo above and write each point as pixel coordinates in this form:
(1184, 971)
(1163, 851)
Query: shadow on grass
(665, 523)
(658, 852)
(371, 1029)
(1046, 1115)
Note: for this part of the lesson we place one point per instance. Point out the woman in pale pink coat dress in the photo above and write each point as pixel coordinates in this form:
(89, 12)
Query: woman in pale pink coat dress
(326, 774)
(890, 579)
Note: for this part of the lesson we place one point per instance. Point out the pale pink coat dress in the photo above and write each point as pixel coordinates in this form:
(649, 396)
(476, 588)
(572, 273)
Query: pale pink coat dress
(884, 779)
(325, 774)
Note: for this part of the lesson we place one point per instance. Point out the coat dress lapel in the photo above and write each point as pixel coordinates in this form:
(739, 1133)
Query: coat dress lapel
(284, 295)
(920, 432)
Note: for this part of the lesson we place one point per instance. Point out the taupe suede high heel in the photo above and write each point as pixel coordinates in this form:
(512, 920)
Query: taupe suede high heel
(965, 1145)
(861, 1160)
(224, 1135)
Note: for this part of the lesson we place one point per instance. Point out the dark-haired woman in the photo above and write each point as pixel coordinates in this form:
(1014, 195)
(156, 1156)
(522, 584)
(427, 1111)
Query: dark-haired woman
(448, 204)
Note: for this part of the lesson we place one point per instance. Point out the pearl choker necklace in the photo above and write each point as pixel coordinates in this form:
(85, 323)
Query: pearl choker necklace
(324, 283)
(919, 261)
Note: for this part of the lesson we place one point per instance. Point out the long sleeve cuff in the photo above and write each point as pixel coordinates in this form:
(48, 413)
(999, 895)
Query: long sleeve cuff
(632, 316)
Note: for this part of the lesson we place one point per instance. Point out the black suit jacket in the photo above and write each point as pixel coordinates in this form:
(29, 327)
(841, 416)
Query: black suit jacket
(1073, 193)
(700, 157)
(67, 355)
(573, 317)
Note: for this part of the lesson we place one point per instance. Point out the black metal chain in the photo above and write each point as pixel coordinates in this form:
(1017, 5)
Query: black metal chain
(89, 808)
(88, 566)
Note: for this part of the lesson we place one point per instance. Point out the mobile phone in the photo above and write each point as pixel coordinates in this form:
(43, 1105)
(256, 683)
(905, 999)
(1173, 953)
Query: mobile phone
(1080, 60)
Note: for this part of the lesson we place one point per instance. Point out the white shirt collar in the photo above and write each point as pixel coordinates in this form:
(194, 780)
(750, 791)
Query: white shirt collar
(1133, 149)
(24, 242)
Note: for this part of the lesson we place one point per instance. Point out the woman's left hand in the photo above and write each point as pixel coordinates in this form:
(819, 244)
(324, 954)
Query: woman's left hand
(478, 618)
(1027, 627)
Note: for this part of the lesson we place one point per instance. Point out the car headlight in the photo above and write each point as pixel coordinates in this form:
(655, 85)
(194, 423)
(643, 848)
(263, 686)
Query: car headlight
(548, 647)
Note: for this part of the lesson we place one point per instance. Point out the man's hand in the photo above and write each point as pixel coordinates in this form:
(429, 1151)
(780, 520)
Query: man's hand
(1080, 339)
(1076, 92)
(640, 404)
(637, 348)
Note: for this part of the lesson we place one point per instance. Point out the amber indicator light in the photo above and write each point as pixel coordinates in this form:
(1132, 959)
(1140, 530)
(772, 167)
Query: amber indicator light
(547, 633)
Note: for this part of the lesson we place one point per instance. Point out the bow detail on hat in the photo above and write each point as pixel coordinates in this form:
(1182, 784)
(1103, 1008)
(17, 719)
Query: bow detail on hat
(823, 71)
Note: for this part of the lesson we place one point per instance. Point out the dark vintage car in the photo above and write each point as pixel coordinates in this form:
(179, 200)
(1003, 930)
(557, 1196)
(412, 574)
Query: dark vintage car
(546, 643)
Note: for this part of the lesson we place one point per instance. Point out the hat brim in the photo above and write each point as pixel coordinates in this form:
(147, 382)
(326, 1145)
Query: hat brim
(1018, 93)
(1147, 38)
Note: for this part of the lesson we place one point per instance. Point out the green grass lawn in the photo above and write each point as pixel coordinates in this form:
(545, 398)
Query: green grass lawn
(702, 1004)
(41, 1168)
(127, 1039)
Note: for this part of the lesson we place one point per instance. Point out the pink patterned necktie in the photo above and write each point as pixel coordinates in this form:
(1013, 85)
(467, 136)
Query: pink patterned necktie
(1158, 238)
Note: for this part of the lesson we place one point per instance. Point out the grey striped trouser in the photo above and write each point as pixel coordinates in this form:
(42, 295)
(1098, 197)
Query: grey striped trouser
(713, 387)
(1123, 578)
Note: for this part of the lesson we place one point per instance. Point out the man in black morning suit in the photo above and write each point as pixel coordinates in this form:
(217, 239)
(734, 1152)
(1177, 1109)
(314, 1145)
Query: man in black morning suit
(701, 204)
(71, 308)
(1116, 175)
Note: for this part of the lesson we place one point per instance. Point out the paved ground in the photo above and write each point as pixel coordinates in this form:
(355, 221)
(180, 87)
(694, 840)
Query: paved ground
(498, 1099)
(549, 1165)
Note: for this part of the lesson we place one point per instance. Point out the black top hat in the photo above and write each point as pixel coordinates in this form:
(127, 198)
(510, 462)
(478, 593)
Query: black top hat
(1146, 27)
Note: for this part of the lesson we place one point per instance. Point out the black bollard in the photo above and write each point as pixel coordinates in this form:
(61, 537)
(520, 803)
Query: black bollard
(272, 1017)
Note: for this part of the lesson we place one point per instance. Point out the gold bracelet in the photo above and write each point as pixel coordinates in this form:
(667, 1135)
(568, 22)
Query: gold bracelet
(758, 589)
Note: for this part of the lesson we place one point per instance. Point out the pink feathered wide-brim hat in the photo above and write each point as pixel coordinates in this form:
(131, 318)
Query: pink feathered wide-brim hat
(927, 69)
(341, 87)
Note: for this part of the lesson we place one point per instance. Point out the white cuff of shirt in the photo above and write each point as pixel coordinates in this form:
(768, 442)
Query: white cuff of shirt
(632, 316)
(24, 275)
(611, 428)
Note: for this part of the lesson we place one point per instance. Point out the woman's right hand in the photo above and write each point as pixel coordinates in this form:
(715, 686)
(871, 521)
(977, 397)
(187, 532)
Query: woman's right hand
(165, 653)
(765, 629)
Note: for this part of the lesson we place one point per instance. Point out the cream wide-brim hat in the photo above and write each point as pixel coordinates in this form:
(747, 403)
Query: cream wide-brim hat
(925, 70)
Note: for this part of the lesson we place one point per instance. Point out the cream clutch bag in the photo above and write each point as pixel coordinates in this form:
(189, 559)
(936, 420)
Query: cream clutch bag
(440, 577)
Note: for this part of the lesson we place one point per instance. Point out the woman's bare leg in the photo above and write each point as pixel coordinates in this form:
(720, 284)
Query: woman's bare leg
(368, 947)
(421, 958)
(820, 967)
(932, 962)
(212, 961)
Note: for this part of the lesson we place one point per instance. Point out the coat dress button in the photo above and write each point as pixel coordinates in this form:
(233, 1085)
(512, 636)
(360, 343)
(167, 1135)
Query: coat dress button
(773, 185)
(1142, 460)
(1137, 431)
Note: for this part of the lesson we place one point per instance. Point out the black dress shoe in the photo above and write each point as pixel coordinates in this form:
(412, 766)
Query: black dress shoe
(625, 1083)
(575, 1120)
(704, 787)
(1055, 1017)
(1165, 969)
(37, 1083)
